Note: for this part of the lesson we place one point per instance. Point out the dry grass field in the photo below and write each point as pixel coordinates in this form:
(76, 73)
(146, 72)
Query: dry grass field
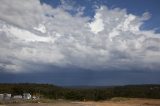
(113, 102)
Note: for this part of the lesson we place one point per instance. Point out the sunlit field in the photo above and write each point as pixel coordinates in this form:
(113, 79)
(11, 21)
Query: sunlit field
(112, 102)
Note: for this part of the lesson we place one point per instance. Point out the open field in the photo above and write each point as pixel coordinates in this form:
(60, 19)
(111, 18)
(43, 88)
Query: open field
(113, 102)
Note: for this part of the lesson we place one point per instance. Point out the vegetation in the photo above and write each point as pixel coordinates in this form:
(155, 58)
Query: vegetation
(96, 94)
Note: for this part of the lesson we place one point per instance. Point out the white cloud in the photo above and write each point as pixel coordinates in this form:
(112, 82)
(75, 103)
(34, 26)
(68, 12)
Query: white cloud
(97, 25)
(25, 35)
(32, 33)
(41, 28)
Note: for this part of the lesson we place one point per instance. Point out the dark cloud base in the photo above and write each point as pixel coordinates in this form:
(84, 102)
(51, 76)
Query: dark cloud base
(83, 77)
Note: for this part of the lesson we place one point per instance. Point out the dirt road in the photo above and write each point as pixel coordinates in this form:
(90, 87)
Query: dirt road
(129, 102)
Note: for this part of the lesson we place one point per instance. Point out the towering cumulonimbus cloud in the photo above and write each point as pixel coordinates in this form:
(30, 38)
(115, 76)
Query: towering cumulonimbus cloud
(34, 33)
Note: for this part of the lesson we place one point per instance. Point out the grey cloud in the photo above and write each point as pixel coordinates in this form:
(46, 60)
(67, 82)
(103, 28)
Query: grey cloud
(21, 12)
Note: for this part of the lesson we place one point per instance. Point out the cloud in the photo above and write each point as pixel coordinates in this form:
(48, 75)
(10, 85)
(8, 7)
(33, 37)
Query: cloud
(97, 25)
(37, 34)
(24, 14)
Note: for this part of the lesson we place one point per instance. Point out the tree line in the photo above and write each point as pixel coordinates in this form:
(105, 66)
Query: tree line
(94, 93)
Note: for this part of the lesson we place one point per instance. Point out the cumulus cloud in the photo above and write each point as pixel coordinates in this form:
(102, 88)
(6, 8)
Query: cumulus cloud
(97, 25)
(34, 33)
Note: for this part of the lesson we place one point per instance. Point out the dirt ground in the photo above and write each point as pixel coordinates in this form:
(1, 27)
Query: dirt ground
(128, 102)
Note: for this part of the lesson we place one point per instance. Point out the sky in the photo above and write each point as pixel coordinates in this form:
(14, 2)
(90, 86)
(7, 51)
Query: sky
(80, 42)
